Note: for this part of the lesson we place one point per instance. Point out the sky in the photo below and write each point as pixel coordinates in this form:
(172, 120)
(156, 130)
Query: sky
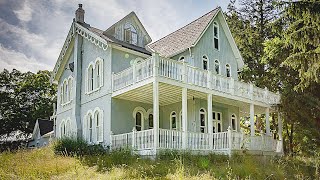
(32, 32)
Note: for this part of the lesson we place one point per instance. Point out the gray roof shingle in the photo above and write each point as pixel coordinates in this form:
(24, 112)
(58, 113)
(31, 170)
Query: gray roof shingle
(183, 38)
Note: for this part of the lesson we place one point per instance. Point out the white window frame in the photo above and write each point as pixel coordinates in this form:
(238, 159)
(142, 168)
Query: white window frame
(228, 67)
(234, 117)
(204, 112)
(176, 118)
(62, 128)
(215, 24)
(94, 81)
(133, 39)
(90, 120)
(98, 125)
(150, 112)
(205, 58)
(66, 91)
(215, 121)
(143, 115)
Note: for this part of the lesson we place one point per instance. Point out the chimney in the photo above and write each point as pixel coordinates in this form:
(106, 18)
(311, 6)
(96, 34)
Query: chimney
(80, 14)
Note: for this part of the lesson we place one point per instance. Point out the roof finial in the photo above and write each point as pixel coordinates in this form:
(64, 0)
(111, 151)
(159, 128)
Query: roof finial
(80, 14)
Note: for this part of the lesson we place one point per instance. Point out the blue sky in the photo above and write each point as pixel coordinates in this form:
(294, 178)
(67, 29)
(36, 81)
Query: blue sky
(32, 32)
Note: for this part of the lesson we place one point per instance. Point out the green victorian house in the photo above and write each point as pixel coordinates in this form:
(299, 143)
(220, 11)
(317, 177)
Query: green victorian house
(118, 88)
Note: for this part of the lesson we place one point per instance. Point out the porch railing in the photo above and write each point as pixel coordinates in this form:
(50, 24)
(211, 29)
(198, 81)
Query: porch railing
(172, 139)
(181, 71)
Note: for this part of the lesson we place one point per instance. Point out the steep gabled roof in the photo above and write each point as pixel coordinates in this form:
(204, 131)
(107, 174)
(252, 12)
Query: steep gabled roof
(189, 35)
(130, 15)
(183, 38)
(44, 126)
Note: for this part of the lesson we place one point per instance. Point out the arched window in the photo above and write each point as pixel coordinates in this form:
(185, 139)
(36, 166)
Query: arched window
(203, 123)
(181, 58)
(90, 78)
(70, 89)
(65, 91)
(130, 34)
(61, 94)
(150, 119)
(173, 120)
(217, 66)
(205, 62)
(139, 118)
(215, 35)
(98, 126)
(234, 122)
(90, 133)
(98, 74)
(228, 71)
(63, 128)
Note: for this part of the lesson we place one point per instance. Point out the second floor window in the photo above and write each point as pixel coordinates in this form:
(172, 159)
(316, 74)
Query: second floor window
(94, 79)
(66, 90)
(217, 66)
(216, 35)
(130, 34)
(228, 72)
(205, 63)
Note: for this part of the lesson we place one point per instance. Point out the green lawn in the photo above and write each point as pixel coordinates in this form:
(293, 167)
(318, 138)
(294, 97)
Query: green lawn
(44, 164)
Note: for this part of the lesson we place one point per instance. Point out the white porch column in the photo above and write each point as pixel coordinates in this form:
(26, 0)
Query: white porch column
(252, 128)
(156, 113)
(210, 121)
(184, 118)
(267, 122)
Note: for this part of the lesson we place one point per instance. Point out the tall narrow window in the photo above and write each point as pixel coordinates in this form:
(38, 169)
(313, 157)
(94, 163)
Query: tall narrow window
(130, 34)
(202, 121)
(233, 122)
(228, 70)
(98, 74)
(173, 118)
(90, 78)
(61, 94)
(90, 128)
(217, 66)
(97, 126)
(65, 92)
(70, 89)
(138, 121)
(150, 121)
(205, 62)
(216, 35)
(217, 122)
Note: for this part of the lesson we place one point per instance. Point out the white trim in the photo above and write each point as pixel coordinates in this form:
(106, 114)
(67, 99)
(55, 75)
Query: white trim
(88, 79)
(205, 120)
(143, 115)
(215, 121)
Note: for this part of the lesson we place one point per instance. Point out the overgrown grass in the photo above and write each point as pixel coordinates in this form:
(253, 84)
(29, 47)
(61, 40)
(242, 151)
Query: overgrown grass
(44, 164)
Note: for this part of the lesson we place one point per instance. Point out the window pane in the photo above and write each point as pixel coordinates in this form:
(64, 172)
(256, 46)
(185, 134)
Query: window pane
(174, 123)
(219, 127)
(138, 119)
(217, 68)
(151, 120)
(233, 124)
(215, 31)
(219, 116)
(216, 45)
(213, 115)
(205, 65)
(202, 129)
(202, 120)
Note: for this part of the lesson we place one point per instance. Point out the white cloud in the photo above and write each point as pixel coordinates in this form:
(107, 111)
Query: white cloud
(11, 59)
(24, 14)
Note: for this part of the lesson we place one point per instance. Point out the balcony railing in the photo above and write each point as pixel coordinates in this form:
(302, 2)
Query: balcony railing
(172, 139)
(182, 72)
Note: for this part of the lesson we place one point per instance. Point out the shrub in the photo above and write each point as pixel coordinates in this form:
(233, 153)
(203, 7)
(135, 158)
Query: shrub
(76, 147)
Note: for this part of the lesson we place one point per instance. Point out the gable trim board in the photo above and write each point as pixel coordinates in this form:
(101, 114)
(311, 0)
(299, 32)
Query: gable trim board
(214, 13)
(102, 42)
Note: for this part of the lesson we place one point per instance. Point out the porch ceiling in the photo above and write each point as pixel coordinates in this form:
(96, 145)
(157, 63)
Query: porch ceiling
(169, 94)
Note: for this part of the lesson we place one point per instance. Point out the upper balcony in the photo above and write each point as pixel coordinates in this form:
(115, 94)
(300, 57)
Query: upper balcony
(184, 74)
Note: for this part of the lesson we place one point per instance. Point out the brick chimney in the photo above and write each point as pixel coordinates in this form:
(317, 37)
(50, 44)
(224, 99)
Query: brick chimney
(80, 14)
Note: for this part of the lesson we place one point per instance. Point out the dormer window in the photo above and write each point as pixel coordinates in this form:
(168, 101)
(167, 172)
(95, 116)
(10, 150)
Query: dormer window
(130, 34)
(215, 35)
